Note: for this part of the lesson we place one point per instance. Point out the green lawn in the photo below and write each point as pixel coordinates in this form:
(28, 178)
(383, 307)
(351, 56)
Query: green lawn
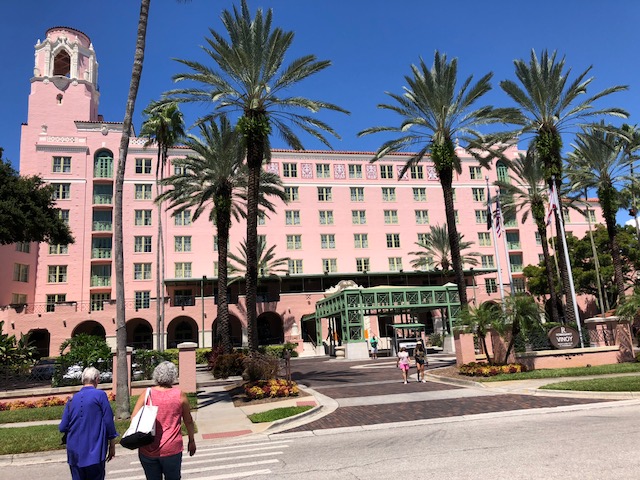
(277, 414)
(563, 372)
(612, 384)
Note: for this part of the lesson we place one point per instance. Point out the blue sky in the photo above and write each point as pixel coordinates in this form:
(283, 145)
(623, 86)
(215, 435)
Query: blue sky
(371, 45)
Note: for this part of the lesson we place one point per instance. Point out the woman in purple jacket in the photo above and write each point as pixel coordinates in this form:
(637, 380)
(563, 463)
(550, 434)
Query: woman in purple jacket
(88, 422)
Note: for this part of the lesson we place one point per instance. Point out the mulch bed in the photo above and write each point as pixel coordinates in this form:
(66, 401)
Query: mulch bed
(241, 400)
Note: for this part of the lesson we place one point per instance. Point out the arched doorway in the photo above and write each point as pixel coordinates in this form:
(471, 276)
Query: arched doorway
(90, 327)
(139, 334)
(235, 331)
(181, 329)
(270, 329)
(41, 339)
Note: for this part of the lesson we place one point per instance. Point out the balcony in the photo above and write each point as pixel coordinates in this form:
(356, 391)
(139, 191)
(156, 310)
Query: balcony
(100, 281)
(103, 172)
(516, 267)
(102, 226)
(102, 199)
(99, 253)
(184, 301)
(514, 245)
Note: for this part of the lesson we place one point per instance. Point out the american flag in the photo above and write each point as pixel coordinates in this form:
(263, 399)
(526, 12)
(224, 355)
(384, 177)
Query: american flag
(554, 203)
(489, 216)
(498, 217)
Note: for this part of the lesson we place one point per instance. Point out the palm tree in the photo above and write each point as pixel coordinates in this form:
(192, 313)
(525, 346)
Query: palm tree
(550, 106)
(163, 127)
(630, 137)
(436, 248)
(249, 77)
(211, 177)
(525, 193)
(481, 321)
(268, 265)
(122, 383)
(598, 161)
(433, 114)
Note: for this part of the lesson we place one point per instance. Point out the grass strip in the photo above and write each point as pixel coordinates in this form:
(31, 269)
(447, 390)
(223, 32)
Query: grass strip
(563, 372)
(613, 384)
(277, 414)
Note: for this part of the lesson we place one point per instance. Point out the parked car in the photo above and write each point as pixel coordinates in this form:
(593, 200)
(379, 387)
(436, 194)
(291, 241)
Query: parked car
(43, 369)
(74, 372)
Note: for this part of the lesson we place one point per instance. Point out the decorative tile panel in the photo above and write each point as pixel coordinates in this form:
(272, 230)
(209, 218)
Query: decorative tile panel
(306, 170)
(372, 172)
(432, 173)
(273, 167)
(399, 170)
(339, 172)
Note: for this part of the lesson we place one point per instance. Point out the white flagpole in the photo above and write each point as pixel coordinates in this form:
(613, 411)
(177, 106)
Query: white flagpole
(558, 210)
(495, 247)
(506, 247)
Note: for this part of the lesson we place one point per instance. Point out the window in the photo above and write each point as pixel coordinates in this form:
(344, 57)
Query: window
(61, 165)
(361, 240)
(20, 272)
(329, 265)
(393, 240)
(142, 244)
(58, 249)
(215, 269)
(100, 275)
(355, 171)
(475, 173)
(386, 171)
(487, 261)
(24, 247)
(182, 243)
(541, 258)
(53, 299)
(101, 247)
(183, 218)
(327, 240)
(98, 299)
(357, 194)
(490, 285)
(509, 219)
(326, 217)
(395, 264)
(102, 194)
(103, 165)
(362, 264)
(518, 285)
(479, 194)
(422, 217)
(591, 216)
(423, 238)
(294, 242)
(18, 298)
(324, 194)
(358, 217)
(481, 216)
(57, 274)
(183, 269)
(417, 172)
(292, 217)
(565, 215)
(390, 217)
(143, 217)
(419, 194)
(503, 172)
(143, 191)
(484, 239)
(538, 238)
(291, 194)
(290, 170)
(388, 194)
(61, 191)
(456, 216)
(64, 216)
(143, 299)
(142, 271)
(179, 170)
(143, 166)
(261, 218)
(295, 266)
(513, 240)
(515, 260)
(323, 170)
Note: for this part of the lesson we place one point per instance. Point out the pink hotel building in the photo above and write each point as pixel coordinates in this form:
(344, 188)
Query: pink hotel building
(346, 219)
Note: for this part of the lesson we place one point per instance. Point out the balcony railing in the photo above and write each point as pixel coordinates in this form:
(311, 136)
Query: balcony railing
(102, 199)
(100, 281)
(100, 253)
(514, 246)
(516, 267)
(184, 301)
(102, 226)
(103, 172)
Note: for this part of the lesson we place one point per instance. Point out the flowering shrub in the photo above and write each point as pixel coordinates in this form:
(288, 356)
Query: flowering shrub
(270, 389)
(474, 369)
(22, 404)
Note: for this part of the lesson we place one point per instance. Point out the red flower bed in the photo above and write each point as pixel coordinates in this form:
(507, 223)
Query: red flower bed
(270, 389)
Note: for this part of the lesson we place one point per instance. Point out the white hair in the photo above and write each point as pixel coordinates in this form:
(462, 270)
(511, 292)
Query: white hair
(165, 374)
(90, 375)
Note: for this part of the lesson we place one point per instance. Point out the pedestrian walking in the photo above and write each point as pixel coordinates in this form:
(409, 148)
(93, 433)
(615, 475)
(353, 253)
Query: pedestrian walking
(403, 363)
(420, 356)
(87, 421)
(374, 347)
(164, 455)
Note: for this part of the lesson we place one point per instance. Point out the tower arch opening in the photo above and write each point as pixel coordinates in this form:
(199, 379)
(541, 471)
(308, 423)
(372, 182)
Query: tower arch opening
(62, 64)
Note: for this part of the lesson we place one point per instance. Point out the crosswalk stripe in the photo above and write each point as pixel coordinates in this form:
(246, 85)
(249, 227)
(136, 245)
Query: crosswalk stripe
(216, 467)
(225, 459)
(243, 445)
(226, 476)
(209, 453)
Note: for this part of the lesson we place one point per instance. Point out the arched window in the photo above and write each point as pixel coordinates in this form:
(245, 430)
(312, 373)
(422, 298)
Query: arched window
(503, 172)
(103, 164)
(62, 64)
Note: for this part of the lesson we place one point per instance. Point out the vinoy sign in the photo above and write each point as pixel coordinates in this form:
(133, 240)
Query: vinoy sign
(562, 337)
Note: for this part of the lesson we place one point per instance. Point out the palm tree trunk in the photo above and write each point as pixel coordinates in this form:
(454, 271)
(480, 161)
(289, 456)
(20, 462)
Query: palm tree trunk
(223, 216)
(553, 297)
(122, 386)
(446, 180)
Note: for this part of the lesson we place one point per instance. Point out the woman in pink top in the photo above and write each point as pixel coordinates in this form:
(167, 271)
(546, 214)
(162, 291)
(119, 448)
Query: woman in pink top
(403, 363)
(164, 455)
